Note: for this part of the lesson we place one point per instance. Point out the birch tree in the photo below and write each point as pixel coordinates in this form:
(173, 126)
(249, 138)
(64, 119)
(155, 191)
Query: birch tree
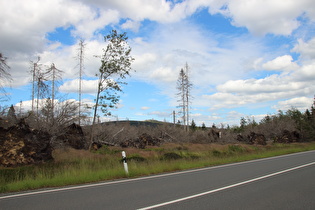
(115, 66)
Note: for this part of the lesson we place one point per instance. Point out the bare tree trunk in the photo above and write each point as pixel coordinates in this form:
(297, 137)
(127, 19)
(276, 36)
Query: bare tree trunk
(53, 93)
(187, 84)
(95, 111)
(33, 87)
(81, 44)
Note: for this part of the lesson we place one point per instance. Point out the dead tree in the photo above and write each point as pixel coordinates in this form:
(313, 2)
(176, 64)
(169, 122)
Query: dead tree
(34, 69)
(55, 75)
(184, 88)
(5, 76)
(81, 65)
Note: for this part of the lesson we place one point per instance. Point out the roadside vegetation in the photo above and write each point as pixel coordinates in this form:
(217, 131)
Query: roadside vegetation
(32, 155)
(56, 144)
(72, 166)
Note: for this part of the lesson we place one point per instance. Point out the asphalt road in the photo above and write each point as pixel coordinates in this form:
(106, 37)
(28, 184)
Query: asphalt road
(285, 182)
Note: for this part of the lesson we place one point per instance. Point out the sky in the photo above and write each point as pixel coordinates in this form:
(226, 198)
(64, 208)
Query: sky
(247, 58)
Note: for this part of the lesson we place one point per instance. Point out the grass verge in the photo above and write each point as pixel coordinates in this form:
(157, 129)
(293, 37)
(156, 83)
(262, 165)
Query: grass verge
(72, 167)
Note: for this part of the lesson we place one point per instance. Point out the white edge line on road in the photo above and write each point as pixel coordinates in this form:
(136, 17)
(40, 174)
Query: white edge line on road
(227, 187)
(143, 178)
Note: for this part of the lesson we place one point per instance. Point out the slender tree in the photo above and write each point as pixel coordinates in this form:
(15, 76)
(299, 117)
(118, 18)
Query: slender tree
(5, 76)
(54, 75)
(182, 94)
(184, 87)
(188, 87)
(34, 69)
(42, 88)
(81, 67)
(116, 65)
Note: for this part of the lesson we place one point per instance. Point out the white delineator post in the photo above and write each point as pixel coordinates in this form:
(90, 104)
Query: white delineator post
(124, 159)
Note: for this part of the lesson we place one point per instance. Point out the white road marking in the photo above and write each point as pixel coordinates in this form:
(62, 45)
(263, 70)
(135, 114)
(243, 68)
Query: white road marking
(143, 178)
(227, 187)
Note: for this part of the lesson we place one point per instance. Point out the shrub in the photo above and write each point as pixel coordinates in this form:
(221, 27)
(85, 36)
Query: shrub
(216, 153)
(236, 149)
(136, 158)
(171, 156)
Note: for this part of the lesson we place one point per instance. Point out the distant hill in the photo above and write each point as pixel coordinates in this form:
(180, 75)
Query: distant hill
(151, 123)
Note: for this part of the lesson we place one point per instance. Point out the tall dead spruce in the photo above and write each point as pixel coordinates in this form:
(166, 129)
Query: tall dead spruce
(116, 66)
(184, 87)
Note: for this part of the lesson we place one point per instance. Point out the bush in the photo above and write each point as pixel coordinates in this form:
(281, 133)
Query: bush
(136, 158)
(236, 149)
(171, 156)
(216, 153)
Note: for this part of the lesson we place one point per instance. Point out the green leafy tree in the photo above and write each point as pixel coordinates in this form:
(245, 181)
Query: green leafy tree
(243, 123)
(116, 66)
(193, 125)
(203, 126)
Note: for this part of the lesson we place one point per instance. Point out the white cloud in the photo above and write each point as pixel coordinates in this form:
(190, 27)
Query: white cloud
(145, 108)
(95, 22)
(283, 63)
(305, 75)
(156, 10)
(266, 16)
(25, 24)
(240, 93)
(132, 25)
(220, 63)
(300, 103)
(160, 114)
(306, 49)
(160, 57)
(299, 84)
(25, 106)
(72, 86)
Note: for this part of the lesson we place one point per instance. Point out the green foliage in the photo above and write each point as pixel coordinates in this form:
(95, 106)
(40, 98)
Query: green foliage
(203, 126)
(236, 149)
(304, 123)
(136, 158)
(171, 156)
(116, 65)
(243, 123)
(216, 153)
(107, 150)
(193, 125)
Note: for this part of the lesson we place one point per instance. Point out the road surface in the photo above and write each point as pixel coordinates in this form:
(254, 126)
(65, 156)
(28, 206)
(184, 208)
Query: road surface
(284, 182)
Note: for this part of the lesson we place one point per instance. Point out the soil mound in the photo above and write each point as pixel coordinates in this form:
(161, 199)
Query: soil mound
(20, 145)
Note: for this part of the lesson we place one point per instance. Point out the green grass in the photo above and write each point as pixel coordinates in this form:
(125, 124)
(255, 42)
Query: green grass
(76, 167)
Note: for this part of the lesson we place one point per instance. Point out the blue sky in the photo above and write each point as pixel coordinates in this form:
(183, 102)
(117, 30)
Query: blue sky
(247, 58)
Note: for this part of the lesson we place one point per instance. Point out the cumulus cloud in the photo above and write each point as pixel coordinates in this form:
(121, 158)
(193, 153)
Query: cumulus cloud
(145, 108)
(305, 49)
(72, 86)
(25, 24)
(221, 64)
(26, 106)
(301, 103)
(240, 93)
(156, 10)
(132, 25)
(160, 57)
(265, 16)
(283, 63)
